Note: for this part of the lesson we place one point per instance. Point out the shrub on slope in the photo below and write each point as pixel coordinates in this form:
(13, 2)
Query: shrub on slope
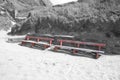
(71, 17)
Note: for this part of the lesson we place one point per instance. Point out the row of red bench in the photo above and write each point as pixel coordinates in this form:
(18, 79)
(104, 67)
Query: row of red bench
(48, 42)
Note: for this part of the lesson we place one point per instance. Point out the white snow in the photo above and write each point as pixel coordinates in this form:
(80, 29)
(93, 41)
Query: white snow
(23, 63)
(56, 2)
(13, 23)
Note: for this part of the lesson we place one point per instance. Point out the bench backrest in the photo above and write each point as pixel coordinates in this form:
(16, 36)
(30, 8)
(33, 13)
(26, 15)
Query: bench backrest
(99, 45)
(84, 43)
(40, 38)
(61, 41)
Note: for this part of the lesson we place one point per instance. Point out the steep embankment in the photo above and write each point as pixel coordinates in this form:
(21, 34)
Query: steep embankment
(96, 21)
(78, 17)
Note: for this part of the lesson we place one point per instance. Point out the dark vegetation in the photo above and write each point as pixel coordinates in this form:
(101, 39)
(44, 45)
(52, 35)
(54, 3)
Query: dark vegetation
(88, 20)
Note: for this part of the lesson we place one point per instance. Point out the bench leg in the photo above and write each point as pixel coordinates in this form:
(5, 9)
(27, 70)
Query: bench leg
(56, 48)
(32, 45)
(97, 55)
(22, 43)
(46, 46)
(74, 51)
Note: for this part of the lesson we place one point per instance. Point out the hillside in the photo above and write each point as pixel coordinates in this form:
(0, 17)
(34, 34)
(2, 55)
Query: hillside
(72, 15)
(96, 22)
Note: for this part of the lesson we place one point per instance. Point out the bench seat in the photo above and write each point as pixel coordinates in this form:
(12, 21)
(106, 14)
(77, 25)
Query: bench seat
(30, 41)
(80, 49)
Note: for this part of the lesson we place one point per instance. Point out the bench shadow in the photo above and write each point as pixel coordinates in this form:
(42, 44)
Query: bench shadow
(38, 47)
(14, 40)
(68, 52)
(79, 54)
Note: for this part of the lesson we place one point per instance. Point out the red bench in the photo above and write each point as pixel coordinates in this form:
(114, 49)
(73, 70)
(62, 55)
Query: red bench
(77, 48)
(47, 42)
(38, 40)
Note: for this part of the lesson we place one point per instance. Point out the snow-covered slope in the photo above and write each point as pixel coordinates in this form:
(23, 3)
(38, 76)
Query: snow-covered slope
(22, 63)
